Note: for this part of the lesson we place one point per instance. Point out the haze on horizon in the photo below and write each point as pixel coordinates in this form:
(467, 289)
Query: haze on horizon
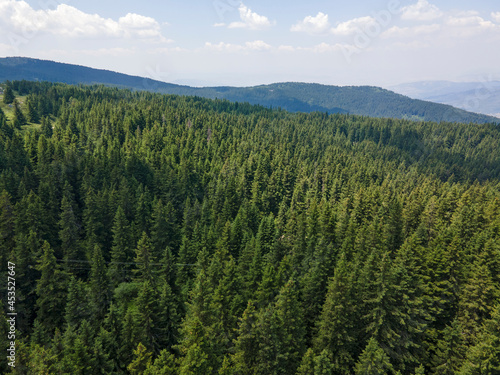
(228, 42)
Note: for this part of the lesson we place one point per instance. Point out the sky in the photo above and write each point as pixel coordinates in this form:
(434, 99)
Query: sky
(229, 42)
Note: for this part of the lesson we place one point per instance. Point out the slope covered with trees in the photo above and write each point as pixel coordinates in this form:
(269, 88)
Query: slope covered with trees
(291, 96)
(157, 234)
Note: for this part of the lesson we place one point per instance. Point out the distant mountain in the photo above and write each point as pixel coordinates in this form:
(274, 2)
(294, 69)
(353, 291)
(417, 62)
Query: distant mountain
(481, 97)
(303, 97)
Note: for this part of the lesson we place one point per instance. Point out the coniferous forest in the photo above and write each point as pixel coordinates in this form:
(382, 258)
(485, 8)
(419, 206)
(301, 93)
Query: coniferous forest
(156, 234)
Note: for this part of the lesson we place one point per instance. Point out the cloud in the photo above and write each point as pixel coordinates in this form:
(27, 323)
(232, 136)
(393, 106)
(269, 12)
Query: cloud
(326, 48)
(405, 46)
(6, 49)
(257, 45)
(313, 25)
(496, 16)
(284, 48)
(408, 32)
(66, 20)
(353, 26)
(421, 11)
(250, 20)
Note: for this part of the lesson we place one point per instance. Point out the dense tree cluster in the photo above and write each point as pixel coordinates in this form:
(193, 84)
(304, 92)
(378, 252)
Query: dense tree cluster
(159, 234)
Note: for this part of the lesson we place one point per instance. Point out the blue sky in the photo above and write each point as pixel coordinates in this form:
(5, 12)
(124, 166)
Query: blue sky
(229, 42)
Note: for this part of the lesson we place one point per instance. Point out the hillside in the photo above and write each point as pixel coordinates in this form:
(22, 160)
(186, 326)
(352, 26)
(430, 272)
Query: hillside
(161, 234)
(295, 97)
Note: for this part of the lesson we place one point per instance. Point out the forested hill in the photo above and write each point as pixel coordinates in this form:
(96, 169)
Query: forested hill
(159, 234)
(303, 97)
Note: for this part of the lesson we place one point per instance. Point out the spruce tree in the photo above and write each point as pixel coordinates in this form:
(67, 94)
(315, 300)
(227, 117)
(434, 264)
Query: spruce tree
(46, 127)
(51, 290)
(8, 94)
(99, 287)
(19, 118)
(121, 251)
(144, 260)
(373, 360)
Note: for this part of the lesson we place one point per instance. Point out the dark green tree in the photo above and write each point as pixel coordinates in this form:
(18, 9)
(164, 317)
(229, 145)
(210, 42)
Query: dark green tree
(8, 94)
(99, 287)
(19, 118)
(51, 290)
(373, 360)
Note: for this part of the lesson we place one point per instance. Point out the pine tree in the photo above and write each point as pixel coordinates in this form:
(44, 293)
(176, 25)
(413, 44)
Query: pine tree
(76, 312)
(118, 270)
(168, 318)
(163, 230)
(128, 337)
(102, 362)
(323, 364)
(7, 222)
(99, 287)
(144, 260)
(475, 301)
(281, 335)
(69, 232)
(195, 345)
(307, 364)
(51, 290)
(19, 118)
(373, 360)
(484, 356)
(8, 94)
(141, 361)
(46, 127)
(336, 329)
(451, 350)
(164, 364)
(33, 115)
(147, 316)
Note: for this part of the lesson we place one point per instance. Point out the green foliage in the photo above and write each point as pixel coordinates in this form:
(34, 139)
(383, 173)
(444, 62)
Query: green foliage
(19, 118)
(173, 235)
(373, 360)
(8, 94)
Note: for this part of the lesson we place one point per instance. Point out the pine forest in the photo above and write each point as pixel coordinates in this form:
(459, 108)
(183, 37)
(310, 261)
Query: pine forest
(160, 234)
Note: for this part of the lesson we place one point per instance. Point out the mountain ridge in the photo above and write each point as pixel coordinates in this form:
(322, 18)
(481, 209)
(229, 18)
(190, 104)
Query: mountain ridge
(292, 96)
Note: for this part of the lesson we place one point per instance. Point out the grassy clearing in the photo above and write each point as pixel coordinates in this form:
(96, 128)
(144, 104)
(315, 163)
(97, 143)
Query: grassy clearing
(8, 109)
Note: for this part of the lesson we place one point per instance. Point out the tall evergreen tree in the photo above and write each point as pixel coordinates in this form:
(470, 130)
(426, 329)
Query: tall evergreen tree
(373, 360)
(99, 286)
(144, 260)
(121, 251)
(51, 290)
(8, 94)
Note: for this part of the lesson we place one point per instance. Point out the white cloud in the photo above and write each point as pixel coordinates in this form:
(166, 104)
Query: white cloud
(6, 49)
(353, 26)
(411, 46)
(114, 52)
(407, 32)
(66, 20)
(313, 25)
(466, 21)
(286, 48)
(326, 48)
(496, 16)
(421, 11)
(468, 24)
(250, 20)
(257, 45)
